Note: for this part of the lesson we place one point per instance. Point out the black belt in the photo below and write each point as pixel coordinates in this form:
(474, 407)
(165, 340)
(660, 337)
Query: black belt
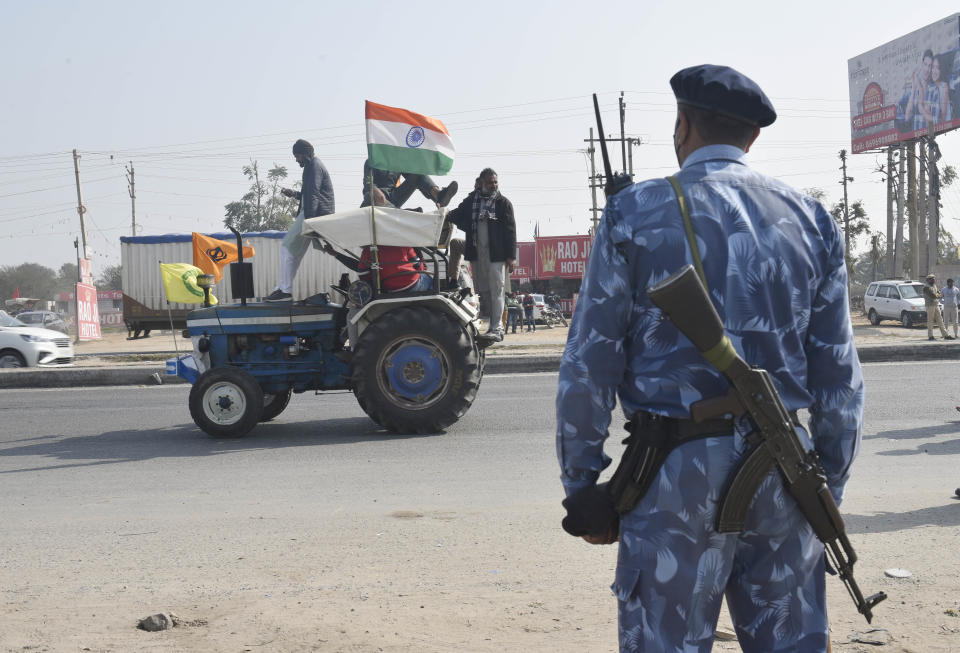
(596, 509)
(682, 429)
(687, 429)
(652, 438)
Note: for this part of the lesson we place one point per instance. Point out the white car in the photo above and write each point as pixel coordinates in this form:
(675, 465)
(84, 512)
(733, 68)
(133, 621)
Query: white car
(26, 346)
(895, 300)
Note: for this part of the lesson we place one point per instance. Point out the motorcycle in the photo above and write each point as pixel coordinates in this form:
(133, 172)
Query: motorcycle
(552, 316)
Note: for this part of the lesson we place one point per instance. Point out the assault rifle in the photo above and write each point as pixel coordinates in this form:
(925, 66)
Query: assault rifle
(774, 442)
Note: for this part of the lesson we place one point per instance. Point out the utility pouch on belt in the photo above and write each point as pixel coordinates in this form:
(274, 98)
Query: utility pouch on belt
(594, 510)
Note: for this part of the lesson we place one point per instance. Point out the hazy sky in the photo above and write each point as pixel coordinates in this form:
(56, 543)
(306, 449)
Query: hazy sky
(191, 91)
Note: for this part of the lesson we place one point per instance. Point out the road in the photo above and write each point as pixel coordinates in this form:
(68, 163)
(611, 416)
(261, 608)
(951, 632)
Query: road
(320, 532)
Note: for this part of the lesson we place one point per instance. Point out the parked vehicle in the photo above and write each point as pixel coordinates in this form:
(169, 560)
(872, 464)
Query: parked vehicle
(415, 365)
(552, 317)
(900, 300)
(44, 319)
(22, 345)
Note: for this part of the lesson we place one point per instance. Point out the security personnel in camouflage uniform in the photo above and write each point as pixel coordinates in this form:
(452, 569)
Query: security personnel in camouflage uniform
(774, 266)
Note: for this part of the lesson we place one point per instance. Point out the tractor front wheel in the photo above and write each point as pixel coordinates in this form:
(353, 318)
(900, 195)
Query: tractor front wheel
(226, 402)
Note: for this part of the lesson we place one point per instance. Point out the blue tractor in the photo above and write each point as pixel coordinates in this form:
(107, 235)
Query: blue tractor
(415, 365)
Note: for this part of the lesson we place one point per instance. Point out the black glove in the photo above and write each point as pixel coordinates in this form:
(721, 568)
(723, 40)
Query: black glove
(590, 512)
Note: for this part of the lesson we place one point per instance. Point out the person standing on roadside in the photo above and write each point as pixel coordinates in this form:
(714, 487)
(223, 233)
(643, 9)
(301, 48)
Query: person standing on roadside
(513, 312)
(528, 304)
(950, 295)
(931, 299)
(773, 264)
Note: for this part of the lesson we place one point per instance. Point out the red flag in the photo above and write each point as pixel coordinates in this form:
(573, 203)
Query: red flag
(16, 293)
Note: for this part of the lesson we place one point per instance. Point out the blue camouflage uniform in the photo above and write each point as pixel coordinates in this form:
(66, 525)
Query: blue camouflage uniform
(773, 259)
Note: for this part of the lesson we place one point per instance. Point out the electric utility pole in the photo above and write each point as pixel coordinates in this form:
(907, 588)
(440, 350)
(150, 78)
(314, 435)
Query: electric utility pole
(899, 255)
(81, 209)
(846, 209)
(132, 191)
(623, 140)
(933, 198)
(912, 209)
(593, 183)
(922, 207)
(597, 180)
(889, 261)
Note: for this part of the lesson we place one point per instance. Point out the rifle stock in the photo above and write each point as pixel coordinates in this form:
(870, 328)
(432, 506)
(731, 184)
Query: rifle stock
(684, 299)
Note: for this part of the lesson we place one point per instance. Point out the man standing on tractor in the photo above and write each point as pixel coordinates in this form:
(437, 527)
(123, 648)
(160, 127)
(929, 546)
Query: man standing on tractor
(486, 217)
(316, 198)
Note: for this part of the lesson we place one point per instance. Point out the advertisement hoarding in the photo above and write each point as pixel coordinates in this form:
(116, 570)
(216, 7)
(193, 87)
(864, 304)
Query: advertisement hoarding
(526, 259)
(900, 89)
(88, 315)
(562, 256)
(86, 271)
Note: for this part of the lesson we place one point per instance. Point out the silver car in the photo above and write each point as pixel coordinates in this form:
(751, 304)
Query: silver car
(25, 346)
(45, 319)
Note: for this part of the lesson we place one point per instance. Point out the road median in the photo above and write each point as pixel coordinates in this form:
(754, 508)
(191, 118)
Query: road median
(117, 369)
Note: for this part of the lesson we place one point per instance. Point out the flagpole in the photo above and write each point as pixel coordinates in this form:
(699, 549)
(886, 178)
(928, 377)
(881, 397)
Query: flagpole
(374, 253)
(169, 312)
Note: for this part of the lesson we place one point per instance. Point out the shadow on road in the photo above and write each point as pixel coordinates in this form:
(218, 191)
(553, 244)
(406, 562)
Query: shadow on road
(886, 522)
(950, 428)
(187, 441)
(947, 447)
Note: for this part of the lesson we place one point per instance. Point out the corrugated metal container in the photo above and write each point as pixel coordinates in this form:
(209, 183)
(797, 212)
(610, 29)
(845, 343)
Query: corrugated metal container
(140, 257)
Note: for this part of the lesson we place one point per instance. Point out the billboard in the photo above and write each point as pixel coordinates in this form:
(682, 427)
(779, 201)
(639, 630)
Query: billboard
(525, 261)
(562, 256)
(897, 91)
(88, 316)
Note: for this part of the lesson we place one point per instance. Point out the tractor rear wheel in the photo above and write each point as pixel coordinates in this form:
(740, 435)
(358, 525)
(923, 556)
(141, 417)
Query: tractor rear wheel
(416, 370)
(274, 404)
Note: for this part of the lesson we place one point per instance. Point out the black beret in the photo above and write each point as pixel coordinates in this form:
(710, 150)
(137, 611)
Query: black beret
(723, 90)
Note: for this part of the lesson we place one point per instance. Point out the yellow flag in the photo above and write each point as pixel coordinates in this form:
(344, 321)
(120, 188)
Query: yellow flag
(180, 283)
(212, 255)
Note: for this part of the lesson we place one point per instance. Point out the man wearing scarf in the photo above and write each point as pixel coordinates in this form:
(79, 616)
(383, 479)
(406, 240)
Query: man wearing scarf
(486, 217)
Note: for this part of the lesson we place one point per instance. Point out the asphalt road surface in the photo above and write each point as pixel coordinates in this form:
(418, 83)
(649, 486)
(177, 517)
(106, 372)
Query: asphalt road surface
(321, 531)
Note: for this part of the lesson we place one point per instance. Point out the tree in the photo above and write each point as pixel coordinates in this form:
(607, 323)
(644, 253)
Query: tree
(947, 176)
(816, 193)
(67, 277)
(262, 207)
(859, 225)
(109, 279)
(32, 279)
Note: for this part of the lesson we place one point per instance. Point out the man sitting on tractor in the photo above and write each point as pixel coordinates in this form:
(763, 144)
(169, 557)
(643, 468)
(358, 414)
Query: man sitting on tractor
(400, 268)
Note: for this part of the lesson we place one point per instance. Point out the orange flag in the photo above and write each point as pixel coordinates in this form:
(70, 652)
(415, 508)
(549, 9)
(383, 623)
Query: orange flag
(211, 255)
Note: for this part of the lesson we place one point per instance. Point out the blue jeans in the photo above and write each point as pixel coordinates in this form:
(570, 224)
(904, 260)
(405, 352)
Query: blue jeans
(513, 317)
(528, 316)
(425, 282)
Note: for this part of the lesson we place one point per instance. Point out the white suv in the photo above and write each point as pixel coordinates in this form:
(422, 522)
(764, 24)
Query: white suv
(895, 300)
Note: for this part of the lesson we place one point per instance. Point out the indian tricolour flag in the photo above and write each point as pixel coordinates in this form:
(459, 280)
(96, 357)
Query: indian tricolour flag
(403, 141)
